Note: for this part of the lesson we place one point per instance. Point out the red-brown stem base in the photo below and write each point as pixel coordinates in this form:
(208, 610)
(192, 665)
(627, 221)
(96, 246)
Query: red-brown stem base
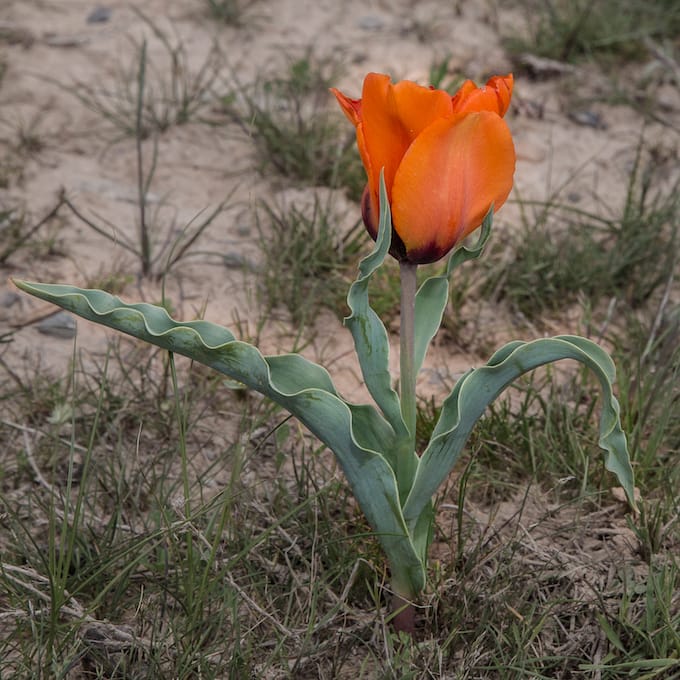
(405, 618)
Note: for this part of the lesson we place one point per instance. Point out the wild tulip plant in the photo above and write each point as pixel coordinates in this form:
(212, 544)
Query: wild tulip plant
(437, 167)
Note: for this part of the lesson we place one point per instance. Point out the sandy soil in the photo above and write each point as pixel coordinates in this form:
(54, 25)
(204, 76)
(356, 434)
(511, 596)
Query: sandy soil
(50, 50)
(51, 53)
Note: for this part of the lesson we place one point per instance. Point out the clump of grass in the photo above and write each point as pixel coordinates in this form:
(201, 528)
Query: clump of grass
(561, 252)
(643, 631)
(231, 12)
(149, 95)
(126, 558)
(304, 261)
(149, 249)
(570, 31)
(18, 234)
(427, 415)
(648, 360)
(114, 281)
(24, 137)
(295, 130)
(13, 230)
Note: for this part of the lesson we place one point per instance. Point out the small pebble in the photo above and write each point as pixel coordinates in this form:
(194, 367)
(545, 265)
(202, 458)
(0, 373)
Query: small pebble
(59, 325)
(99, 15)
(370, 23)
(236, 261)
(588, 119)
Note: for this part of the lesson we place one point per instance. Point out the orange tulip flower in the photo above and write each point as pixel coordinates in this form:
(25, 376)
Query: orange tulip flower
(446, 159)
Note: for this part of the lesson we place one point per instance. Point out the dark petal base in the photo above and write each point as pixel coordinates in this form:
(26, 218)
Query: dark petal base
(372, 222)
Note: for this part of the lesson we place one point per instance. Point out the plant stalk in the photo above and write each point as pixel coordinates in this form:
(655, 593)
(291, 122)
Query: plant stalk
(404, 619)
(404, 611)
(145, 242)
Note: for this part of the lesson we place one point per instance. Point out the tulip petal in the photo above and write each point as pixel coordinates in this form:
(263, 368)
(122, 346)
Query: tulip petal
(448, 179)
(351, 107)
(494, 96)
(417, 107)
(392, 116)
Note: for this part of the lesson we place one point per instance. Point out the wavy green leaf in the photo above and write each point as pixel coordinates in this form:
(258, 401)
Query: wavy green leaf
(357, 434)
(479, 387)
(368, 331)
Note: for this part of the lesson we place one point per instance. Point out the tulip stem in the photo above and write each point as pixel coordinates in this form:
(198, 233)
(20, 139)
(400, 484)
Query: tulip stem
(407, 376)
(404, 619)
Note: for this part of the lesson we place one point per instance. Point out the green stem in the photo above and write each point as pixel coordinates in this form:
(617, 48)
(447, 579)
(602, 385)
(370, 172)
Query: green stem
(407, 376)
(404, 618)
(403, 610)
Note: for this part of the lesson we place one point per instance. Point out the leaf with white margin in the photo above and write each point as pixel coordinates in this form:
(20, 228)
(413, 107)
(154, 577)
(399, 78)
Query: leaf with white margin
(475, 390)
(373, 350)
(357, 434)
(367, 329)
